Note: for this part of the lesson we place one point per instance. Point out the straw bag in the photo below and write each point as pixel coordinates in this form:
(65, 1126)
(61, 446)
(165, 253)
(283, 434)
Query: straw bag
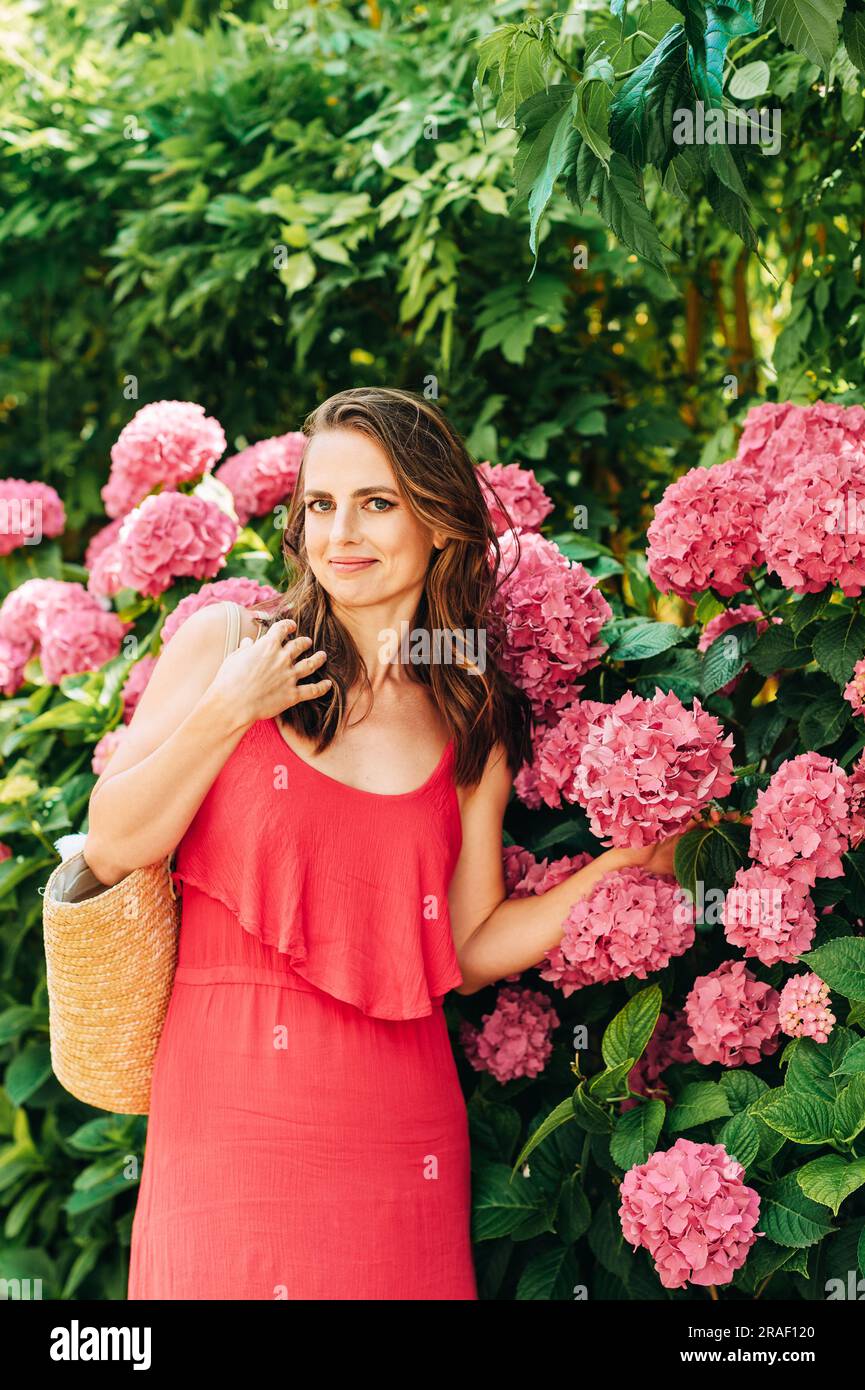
(110, 954)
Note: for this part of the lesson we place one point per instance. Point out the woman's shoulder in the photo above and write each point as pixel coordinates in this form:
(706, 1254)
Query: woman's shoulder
(492, 791)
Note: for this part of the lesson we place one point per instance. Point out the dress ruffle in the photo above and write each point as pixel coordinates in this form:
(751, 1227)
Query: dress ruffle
(372, 927)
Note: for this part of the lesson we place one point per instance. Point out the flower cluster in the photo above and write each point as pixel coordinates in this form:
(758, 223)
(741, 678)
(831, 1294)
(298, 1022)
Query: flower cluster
(705, 531)
(553, 613)
(61, 623)
(520, 494)
(105, 749)
(778, 437)
(527, 877)
(632, 923)
(668, 1044)
(854, 690)
(803, 1008)
(689, 1207)
(647, 766)
(549, 777)
(246, 592)
(733, 1017)
(515, 1038)
(135, 685)
(800, 824)
(771, 917)
(263, 475)
(806, 534)
(164, 444)
(28, 512)
(173, 535)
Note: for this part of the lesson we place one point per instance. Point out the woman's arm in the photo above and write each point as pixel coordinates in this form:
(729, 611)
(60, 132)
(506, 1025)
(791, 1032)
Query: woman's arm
(495, 936)
(192, 714)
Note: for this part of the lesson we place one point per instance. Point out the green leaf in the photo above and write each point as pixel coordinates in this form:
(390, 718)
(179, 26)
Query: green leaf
(839, 644)
(633, 639)
(500, 1206)
(559, 139)
(853, 1060)
(549, 1276)
(808, 26)
(853, 25)
(636, 1133)
(28, 1070)
(749, 81)
(777, 650)
(726, 656)
(824, 721)
(589, 1115)
(831, 1179)
(612, 1082)
(841, 963)
(850, 1110)
(623, 207)
(628, 1033)
(788, 1217)
(741, 1138)
(561, 1115)
(573, 1214)
(699, 1102)
(804, 1119)
(809, 608)
(641, 113)
(742, 1088)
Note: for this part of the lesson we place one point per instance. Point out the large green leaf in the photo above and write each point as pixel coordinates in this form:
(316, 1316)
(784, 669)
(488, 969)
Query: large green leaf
(699, 1102)
(808, 26)
(841, 963)
(831, 1179)
(622, 205)
(636, 1133)
(788, 1217)
(641, 113)
(628, 1033)
(839, 644)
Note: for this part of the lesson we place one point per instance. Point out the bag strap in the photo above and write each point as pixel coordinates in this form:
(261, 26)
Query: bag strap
(232, 627)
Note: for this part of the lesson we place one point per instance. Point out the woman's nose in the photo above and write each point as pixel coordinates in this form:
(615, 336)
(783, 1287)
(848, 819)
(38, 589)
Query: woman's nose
(345, 526)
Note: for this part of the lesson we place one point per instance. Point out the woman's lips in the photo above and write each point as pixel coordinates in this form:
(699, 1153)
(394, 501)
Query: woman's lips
(352, 566)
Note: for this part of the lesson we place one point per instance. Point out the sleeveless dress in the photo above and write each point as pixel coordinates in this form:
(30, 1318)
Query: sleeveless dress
(308, 1136)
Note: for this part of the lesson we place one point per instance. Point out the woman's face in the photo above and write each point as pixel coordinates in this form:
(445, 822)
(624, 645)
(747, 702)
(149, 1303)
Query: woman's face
(365, 546)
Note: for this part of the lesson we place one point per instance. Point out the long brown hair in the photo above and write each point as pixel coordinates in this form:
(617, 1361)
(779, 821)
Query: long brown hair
(436, 475)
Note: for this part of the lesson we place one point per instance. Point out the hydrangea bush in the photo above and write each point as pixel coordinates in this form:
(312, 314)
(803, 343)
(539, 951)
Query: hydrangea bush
(671, 1103)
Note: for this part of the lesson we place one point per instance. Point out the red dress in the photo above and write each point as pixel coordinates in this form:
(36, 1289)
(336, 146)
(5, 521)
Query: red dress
(308, 1137)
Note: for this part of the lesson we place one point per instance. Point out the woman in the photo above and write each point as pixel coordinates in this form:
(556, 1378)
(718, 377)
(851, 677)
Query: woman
(337, 813)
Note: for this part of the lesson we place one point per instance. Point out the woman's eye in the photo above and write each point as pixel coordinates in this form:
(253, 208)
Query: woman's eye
(381, 504)
(317, 503)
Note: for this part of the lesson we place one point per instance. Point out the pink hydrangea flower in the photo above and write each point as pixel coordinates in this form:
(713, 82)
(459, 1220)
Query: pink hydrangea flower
(733, 1016)
(647, 766)
(28, 512)
(173, 535)
(632, 923)
(103, 558)
(553, 613)
(705, 532)
(803, 1008)
(526, 876)
(515, 1038)
(246, 592)
(810, 532)
(668, 1044)
(800, 824)
(164, 444)
(135, 684)
(105, 749)
(13, 658)
(5, 851)
(854, 690)
(519, 492)
(263, 475)
(27, 612)
(771, 917)
(549, 777)
(856, 803)
(689, 1207)
(81, 640)
(732, 618)
(777, 437)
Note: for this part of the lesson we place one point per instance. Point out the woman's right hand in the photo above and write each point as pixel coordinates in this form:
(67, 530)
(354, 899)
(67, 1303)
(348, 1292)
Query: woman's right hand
(260, 679)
